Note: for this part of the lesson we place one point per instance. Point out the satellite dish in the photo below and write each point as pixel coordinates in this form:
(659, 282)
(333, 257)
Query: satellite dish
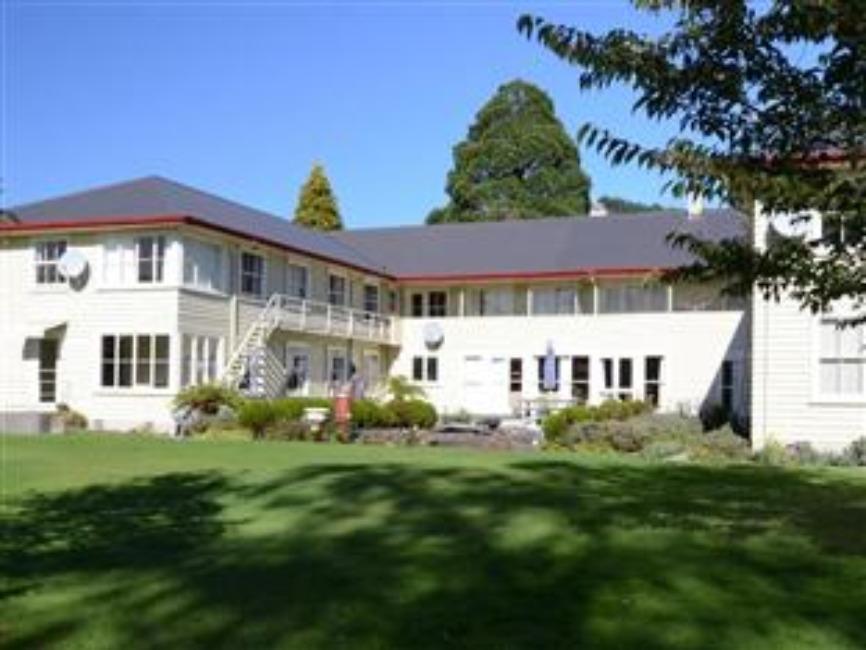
(433, 335)
(791, 225)
(72, 264)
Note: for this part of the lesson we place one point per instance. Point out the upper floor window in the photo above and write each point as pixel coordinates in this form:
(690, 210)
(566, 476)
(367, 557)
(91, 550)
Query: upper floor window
(202, 265)
(297, 281)
(497, 301)
(150, 258)
(553, 300)
(252, 274)
(437, 304)
(629, 298)
(337, 293)
(371, 298)
(417, 305)
(48, 253)
(840, 359)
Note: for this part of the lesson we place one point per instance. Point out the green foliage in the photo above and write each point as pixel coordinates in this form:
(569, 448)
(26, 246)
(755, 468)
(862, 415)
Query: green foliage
(402, 389)
(721, 444)
(758, 120)
(517, 162)
(257, 416)
(617, 205)
(317, 205)
(369, 414)
(855, 453)
(208, 398)
(411, 413)
(289, 430)
(558, 423)
(292, 409)
(772, 453)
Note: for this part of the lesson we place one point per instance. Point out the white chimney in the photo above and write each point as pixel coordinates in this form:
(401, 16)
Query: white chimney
(696, 206)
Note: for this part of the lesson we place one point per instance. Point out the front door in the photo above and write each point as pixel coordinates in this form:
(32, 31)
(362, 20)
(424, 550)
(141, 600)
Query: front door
(298, 371)
(48, 370)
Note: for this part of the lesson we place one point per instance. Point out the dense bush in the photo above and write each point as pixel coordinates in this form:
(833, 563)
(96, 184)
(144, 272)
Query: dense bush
(208, 398)
(720, 444)
(855, 453)
(258, 416)
(369, 414)
(411, 413)
(289, 430)
(291, 409)
(556, 425)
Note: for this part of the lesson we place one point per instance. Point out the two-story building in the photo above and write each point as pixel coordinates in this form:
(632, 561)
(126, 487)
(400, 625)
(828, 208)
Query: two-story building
(113, 299)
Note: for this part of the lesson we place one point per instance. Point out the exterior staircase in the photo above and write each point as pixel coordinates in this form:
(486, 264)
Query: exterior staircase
(252, 367)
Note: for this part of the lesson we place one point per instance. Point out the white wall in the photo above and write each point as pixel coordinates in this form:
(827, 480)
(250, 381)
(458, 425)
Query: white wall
(693, 345)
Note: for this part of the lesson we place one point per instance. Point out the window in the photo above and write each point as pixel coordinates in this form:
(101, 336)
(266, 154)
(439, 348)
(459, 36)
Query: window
(199, 359)
(252, 274)
(140, 360)
(580, 379)
(297, 369)
(841, 359)
(202, 265)
(437, 304)
(297, 281)
(425, 369)
(338, 366)
(371, 298)
(629, 298)
(515, 375)
(48, 253)
(417, 305)
(150, 258)
(541, 387)
(491, 302)
(393, 302)
(553, 300)
(618, 379)
(336, 289)
(652, 376)
(48, 353)
(727, 385)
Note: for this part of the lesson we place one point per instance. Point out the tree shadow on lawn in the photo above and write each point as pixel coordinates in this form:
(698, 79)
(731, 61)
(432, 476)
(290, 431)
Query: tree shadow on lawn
(538, 554)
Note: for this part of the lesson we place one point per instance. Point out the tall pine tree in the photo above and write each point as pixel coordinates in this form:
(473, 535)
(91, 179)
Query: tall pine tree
(517, 162)
(317, 205)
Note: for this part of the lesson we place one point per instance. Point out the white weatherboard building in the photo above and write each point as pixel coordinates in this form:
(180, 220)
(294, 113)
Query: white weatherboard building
(177, 287)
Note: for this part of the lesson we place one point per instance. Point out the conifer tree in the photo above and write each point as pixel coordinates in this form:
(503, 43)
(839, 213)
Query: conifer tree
(317, 205)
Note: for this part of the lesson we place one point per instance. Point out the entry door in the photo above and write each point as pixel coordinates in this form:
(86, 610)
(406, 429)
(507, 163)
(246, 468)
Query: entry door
(485, 385)
(371, 371)
(298, 371)
(48, 370)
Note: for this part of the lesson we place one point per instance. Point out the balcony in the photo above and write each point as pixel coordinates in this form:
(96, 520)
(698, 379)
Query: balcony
(312, 317)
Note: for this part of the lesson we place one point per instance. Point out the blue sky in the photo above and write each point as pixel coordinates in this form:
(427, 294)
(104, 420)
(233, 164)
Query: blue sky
(241, 98)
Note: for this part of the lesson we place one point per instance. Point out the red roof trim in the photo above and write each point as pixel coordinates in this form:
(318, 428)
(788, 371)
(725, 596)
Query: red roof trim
(533, 275)
(172, 219)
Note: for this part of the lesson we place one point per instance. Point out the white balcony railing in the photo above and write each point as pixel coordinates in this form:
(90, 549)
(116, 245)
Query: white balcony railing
(300, 315)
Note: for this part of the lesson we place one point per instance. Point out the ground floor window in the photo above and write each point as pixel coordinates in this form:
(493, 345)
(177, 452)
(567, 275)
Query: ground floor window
(134, 359)
(652, 375)
(48, 353)
(338, 366)
(554, 388)
(515, 375)
(425, 369)
(580, 379)
(840, 359)
(618, 378)
(297, 369)
(199, 359)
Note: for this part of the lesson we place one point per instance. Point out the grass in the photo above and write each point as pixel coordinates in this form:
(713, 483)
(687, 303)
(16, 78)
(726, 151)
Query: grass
(112, 542)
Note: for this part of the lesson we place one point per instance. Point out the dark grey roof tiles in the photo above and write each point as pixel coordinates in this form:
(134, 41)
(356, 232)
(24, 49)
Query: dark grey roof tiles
(570, 244)
(156, 196)
(542, 245)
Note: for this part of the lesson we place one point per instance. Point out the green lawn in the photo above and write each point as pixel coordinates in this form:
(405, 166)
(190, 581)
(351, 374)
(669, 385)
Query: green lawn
(141, 543)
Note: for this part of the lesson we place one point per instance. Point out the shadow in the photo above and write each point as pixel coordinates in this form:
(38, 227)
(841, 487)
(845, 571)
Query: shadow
(530, 554)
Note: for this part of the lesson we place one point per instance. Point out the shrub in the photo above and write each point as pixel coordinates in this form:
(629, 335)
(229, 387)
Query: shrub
(368, 414)
(402, 390)
(411, 413)
(663, 449)
(208, 398)
(721, 444)
(70, 418)
(803, 453)
(257, 416)
(772, 453)
(855, 453)
(288, 430)
(714, 416)
(556, 425)
(291, 409)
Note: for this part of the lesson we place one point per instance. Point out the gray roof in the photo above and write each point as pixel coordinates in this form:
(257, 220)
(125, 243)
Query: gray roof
(539, 246)
(156, 196)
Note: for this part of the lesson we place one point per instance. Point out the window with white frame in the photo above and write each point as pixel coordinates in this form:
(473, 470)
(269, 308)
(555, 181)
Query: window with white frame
(580, 379)
(202, 265)
(150, 258)
(252, 274)
(47, 254)
(425, 369)
(129, 360)
(652, 380)
(515, 375)
(338, 366)
(618, 378)
(337, 290)
(437, 304)
(548, 301)
(630, 298)
(200, 358)
(371, 298)
(494, 301)
(840, 359)
(298, 281)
